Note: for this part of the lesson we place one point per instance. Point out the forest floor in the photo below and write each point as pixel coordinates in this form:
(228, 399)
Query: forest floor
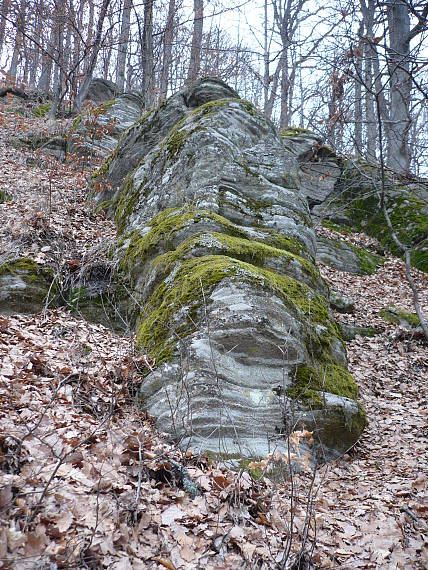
(86, 481)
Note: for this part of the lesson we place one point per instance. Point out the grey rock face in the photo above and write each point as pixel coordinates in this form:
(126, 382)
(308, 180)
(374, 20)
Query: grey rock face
(341, 303)
(320, 175)
(217, 244)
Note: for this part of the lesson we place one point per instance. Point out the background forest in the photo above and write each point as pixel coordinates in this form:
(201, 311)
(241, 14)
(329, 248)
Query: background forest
(353, 72)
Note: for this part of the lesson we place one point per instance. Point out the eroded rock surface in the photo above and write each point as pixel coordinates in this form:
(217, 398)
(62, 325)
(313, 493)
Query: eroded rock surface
(217, 245)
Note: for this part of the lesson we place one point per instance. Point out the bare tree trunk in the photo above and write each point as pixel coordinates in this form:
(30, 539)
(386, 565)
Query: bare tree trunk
(84, 88)
(4, 13)
(195, 52)
(266, 58)
(167, 50)
(47, 60)
(38, 31)
(89, 46)
(147, 55)
(358, 103)
(273, 92)
(77, 46)
(59, 75)
(369, 53)
(16, 55)
(400, 85)
(123, 44)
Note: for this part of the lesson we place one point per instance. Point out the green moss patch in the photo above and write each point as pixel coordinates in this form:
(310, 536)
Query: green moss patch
(41, 110)
(39, 285)
(369, 262)
(167, 223)
(5, 196)
(336, 227)
(311, 381)
(293, 131)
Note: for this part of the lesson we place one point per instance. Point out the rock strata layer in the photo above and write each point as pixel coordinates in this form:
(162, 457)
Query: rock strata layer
(217, 246)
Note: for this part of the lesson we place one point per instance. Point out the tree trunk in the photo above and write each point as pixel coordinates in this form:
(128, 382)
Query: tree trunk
(59, 72)
(84, 88)
(369, 55)
(195, 52)
(147, 55)
(399, 122)
(16, 55)
(47, 61)
(4, 13)
(167, 50)
(358, 105)
(123, 44)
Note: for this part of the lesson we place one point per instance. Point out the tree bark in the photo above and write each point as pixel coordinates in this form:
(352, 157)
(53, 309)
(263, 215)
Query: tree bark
(167, 50)
(195, 52)
(4, 13)
(16, 55)
(147, 55)
(399, 121)
(84, 88)
(123, 44)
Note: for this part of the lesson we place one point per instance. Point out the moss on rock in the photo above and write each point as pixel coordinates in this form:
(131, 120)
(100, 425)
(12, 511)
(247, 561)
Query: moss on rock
(399, 317)
(191, 280)
(310, 382)
(25, 286)
(293, 131)
(407, 211)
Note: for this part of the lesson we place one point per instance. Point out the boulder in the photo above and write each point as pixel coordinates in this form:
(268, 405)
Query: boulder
(25, 287)
(101, 91)
(341, 303)
(346, 256)
(400, 317)
(217, 247)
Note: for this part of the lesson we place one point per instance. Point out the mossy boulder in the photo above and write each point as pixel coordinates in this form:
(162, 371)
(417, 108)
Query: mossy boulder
(345, 256)
(5, 196)
(400, 317)
(356, 199)
(217, 246)
(26, 287)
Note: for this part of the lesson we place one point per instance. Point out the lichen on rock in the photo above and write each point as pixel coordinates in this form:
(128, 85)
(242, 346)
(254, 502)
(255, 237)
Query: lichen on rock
(217, 244)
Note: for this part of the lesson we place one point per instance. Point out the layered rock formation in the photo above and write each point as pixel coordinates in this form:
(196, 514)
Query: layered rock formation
(217, 245)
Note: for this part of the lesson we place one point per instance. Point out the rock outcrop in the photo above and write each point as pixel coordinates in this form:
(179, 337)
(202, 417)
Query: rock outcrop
(101, 90)
(348, 192)
(97, 129)
(217, 248)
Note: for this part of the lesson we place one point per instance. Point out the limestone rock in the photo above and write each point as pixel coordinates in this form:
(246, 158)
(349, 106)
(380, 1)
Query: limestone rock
(341, 303)
(217, 246)
(400, 317)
